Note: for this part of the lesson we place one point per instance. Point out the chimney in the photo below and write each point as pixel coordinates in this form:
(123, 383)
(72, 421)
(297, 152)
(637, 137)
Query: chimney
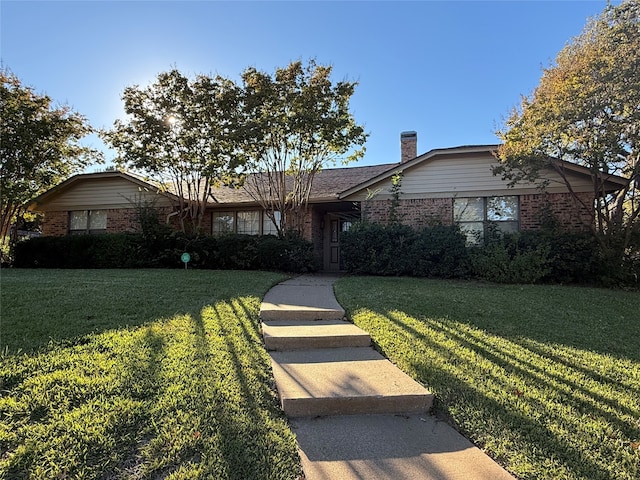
(408, 146)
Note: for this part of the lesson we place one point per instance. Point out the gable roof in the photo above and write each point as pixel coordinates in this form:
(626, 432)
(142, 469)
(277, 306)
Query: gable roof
(614, 182)
(82, 177)
(327, 185)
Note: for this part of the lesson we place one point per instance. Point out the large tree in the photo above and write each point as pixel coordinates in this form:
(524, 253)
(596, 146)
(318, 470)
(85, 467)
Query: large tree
(297, 121)
(586, 110)
(180, 133)
(39, 147)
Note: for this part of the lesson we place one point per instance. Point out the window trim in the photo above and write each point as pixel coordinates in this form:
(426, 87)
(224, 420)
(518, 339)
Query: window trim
(486, 222)
(263, 220)
(87, 230)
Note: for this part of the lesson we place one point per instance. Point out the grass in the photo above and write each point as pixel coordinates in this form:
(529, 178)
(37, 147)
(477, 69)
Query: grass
(138, 374)
(546, 379)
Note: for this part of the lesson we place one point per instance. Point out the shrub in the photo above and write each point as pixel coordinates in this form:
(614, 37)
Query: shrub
(505, 262)
(121, 250)
(437, 251)
(371, 248)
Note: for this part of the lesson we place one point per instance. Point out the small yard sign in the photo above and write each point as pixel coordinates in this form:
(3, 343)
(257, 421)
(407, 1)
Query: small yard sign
(185, 259)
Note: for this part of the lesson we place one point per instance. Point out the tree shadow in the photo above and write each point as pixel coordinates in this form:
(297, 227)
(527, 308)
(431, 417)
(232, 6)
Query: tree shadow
(449, 353)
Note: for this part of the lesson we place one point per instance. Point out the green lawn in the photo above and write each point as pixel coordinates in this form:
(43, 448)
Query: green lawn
(138, 374)
(546, 379)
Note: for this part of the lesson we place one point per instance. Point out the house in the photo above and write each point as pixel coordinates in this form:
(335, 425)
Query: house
(450, 185)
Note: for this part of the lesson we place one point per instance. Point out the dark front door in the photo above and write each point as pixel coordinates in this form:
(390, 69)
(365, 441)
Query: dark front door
(333, 227)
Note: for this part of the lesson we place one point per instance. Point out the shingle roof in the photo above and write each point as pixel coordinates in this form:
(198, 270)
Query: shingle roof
(327, 184)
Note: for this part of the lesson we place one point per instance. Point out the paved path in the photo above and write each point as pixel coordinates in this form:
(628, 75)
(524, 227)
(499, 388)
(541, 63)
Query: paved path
(355, 415)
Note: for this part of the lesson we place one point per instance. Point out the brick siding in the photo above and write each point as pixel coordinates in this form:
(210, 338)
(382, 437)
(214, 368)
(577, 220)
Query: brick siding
(55, 224)
(570, 214)
(419, 212)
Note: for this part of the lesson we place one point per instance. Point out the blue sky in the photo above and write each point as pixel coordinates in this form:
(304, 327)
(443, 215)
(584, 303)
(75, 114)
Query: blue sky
(450, 70)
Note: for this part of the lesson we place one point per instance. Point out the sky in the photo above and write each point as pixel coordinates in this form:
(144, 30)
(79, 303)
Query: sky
(450, 70)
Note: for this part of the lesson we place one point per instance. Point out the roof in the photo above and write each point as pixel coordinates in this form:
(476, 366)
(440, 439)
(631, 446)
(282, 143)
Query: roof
(44, 197)
(615, 182)
(327, 185)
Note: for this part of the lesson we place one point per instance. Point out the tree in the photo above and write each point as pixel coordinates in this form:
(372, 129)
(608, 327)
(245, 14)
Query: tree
(39, 147)
(296, 122)
(181, 134)
(586, 110)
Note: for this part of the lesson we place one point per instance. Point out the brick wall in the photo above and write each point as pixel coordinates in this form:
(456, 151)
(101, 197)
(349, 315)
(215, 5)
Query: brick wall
(569, 212)
(418, 212)
(428, 211)
(55, 224)
(122, 220)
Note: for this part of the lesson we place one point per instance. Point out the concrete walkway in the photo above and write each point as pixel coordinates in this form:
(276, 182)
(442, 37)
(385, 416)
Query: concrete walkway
(354, 413)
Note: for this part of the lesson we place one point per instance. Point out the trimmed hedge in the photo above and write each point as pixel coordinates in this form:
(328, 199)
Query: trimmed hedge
(440, 251)
(374, 249)
(125, 250)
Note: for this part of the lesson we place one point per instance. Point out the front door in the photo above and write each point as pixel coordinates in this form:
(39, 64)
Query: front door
(333, 227)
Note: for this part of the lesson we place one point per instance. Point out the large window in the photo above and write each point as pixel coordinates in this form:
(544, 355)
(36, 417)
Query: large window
(248, 223)
(268, 228)
(475, 215)
(251, 222)
(223, 222)
(87, 221)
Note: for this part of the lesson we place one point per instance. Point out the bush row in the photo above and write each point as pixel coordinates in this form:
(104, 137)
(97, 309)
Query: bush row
(126, 250)
(440, 252)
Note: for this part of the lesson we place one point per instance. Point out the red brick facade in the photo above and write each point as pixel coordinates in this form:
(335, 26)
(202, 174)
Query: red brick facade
(419, 212)
(55, 224)
(570, 213)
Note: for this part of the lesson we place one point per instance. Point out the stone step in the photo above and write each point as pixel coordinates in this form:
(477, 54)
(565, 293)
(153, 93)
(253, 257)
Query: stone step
(301, 302)
(297, 335)
(344, 381)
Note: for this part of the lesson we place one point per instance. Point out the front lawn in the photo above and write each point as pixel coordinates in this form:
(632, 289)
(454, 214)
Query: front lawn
(138, 374)
(546, 379)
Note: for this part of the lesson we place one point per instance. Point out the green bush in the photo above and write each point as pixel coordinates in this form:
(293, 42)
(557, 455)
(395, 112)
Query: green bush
(119, 250)
(374, 249)
(505, 262)
(439, 251)
(123, 250)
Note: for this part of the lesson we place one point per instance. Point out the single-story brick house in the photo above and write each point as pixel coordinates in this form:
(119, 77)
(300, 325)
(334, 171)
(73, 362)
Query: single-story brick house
(450, 185)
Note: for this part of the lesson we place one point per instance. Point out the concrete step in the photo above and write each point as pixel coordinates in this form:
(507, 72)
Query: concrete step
(344, 381)
(297, 335)
(301, 302)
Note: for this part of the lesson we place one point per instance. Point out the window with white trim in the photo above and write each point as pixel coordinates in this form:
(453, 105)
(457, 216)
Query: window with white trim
(87, 221)
(474, 215)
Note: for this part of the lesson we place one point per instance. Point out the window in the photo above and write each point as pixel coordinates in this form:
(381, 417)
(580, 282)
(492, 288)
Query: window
(268, 228)
(475, 215)
(222, 222)
(87, 221)
(249, 223)
(252, 222)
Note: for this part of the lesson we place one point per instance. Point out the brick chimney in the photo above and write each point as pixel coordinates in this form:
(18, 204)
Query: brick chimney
(408, 146)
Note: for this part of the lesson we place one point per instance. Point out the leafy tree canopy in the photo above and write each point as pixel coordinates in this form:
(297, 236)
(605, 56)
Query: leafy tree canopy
(39, 146)
(180, 132)
(297, 121)
(586, 110)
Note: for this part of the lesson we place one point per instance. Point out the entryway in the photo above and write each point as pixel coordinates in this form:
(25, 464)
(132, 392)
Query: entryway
(334, 224)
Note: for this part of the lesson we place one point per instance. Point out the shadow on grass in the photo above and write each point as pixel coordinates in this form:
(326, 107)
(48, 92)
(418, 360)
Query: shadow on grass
(41, 306)
(497, 381)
